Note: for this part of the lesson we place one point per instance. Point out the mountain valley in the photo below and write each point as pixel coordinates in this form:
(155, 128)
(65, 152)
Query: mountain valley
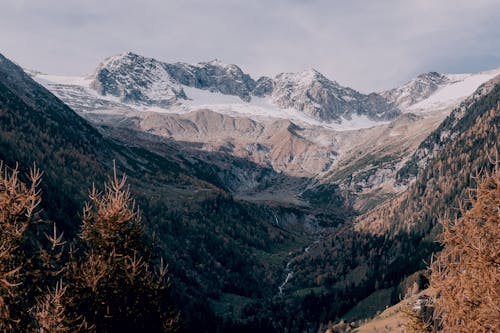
(301, 124)
(279, 203)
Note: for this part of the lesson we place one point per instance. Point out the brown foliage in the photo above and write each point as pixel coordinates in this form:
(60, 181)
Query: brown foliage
(112, 286)
(110, 220)
(50, 314)
(418, 321)
(467, 272)
(18, 204)
(115, 286)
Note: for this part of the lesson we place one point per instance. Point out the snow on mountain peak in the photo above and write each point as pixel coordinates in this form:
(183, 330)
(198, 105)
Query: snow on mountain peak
(216, 62)
(146, 81)
(416, 89)
(312, 93)
(120, 59)
(303, 78)
(432, 91)
(456, 89)
(136, 79)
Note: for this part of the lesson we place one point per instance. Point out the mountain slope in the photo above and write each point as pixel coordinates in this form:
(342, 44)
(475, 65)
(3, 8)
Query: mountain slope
(137, 81)
(397, 238)
(315, 95)
(37, 127)
(447, 131)
(436, 91)
(278, 123)
(446, 163)
(221, 252)
(416, 90)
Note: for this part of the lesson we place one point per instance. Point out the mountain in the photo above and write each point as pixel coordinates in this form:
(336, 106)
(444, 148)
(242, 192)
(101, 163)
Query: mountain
(214, 76)
(36, 127)
(222, 252)
(416, 89)
(139, 81)
(447, 131)
(436, 91)
(252, 186)
(300, 124)
(320, 98)
(136, 79)
(444, 166)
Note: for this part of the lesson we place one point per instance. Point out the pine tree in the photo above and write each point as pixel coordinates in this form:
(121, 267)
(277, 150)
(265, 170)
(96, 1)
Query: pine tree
(116, 286)
(466, 273)
(18, 214)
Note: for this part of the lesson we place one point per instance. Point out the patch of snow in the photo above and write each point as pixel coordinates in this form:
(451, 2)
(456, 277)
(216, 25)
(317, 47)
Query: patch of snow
(259, 108)
(262, 108)
(461, 87)
(204, 98)
(76, 89)
(47, 79)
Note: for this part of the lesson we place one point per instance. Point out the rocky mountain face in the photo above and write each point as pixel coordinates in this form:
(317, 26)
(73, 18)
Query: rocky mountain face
(300, 124)
(320, 98)
(415, 90)
(214, 76)
(136, 79)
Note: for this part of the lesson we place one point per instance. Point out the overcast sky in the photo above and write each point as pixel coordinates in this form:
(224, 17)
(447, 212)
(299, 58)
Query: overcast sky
(368, 45)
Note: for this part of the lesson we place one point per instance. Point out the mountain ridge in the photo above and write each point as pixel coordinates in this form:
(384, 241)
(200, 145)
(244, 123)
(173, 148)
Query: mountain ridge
(146, 81)
(360, 154)
(254, 235)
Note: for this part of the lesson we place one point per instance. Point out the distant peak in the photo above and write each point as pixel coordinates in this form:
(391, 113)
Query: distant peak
(124, 56)
(307, 76)
(311, 71)
(430, 75)
(127, 54)
(216, 61)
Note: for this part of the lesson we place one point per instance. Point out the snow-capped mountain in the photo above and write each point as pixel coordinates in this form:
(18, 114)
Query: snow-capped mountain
(301, 124)
(320, 98)
(214, 76)
(138, 80)
(458, 88)
(416, 89)
(432, 91)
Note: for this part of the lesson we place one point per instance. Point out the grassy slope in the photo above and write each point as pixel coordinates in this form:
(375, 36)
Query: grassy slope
(392, 319)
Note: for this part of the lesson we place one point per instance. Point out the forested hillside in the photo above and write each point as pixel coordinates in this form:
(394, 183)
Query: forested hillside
(221, 252)
(397, 238)
(246, 265)
(467, 143)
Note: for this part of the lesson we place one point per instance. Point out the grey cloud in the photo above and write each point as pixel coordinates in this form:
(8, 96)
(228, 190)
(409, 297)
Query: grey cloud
(369, 45)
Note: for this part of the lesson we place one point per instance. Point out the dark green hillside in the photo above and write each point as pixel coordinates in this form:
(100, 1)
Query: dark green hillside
(36, 127)
(222, 254)
(445, 180)
(397, 238)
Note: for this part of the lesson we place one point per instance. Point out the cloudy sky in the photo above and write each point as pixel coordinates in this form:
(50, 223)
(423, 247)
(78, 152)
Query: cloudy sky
(369, 45)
